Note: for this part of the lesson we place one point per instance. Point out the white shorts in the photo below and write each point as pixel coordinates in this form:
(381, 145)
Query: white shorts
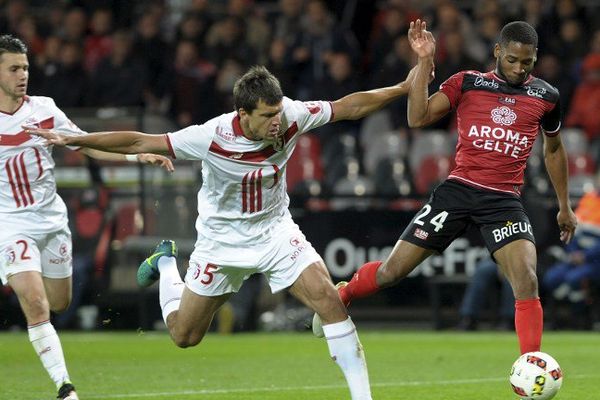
(49, 254)
(224, 267)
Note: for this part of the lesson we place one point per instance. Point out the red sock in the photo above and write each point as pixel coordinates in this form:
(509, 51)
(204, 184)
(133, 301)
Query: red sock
(362, 284)
(529, 324)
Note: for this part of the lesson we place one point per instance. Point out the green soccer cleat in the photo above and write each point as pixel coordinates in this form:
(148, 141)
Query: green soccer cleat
(317, 325)
(148, 272)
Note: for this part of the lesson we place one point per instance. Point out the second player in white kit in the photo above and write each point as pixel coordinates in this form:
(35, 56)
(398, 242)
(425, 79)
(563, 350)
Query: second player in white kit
(243, 224)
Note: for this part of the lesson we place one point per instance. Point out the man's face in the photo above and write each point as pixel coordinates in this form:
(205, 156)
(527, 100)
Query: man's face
(264, 121)
(515, 61)
(14, 74)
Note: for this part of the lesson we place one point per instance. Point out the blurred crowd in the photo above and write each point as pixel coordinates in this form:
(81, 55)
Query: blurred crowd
(180, 59)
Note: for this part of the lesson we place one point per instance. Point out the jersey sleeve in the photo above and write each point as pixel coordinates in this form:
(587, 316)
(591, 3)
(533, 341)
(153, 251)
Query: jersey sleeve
(551, 121)
(452, 88)
(311, 114)
(191, 143)
(62, 124)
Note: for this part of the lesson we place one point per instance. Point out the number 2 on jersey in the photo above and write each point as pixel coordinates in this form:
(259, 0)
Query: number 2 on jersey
(437, 221)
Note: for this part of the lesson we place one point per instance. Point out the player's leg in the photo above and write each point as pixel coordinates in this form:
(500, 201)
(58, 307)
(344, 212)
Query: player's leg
(187, 314)
(518, 261)
(29, 288)
(189, 323)
(315, 289)
(59, 293)
(22, 270)
(432, 229)
(376, 275)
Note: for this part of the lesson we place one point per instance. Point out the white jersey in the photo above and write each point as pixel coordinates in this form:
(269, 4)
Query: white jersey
(28, 199)
(244, 194)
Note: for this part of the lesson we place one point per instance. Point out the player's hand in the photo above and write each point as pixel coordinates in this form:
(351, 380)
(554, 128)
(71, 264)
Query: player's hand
(567, 222)
(155, 159)
(52, 137)
(421, 40)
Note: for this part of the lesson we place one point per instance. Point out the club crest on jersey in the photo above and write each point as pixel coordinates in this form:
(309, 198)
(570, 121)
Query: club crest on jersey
(9, 255)
(503, 115)
(225, 135)
(278, 143)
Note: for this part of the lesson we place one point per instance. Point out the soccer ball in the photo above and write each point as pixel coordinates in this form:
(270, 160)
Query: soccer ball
(536, 375)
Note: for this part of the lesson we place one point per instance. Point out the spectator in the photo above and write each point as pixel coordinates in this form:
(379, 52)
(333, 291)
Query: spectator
(74, 26)
(98, 44)
(583, 111)
(69, 83)
(193, 86)
(486, 275)
(567, 279)
(119, 79)
(228, 38)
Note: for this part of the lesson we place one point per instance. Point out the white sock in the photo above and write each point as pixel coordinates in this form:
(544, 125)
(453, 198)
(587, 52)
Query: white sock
(46, 344)
(347, 352)
(170, 286)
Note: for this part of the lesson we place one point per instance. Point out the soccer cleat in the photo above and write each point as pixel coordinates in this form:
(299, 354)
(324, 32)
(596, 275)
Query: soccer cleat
(317, 326)
(67, 392)
(148, 272)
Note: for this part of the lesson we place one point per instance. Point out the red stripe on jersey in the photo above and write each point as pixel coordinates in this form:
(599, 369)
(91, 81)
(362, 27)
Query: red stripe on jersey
(14, 140)
(39, 163)
(12, 183)
(26, 178)
(47, 123)
(259, 190)
(237, 126)
(22, 137)
(18, 179)
(170, 146)
(291, 131)
(252, 188)
(253, 156)
(244, 193)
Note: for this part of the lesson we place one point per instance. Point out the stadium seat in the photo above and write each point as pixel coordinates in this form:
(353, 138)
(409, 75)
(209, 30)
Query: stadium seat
(305, 164)
(392, 177)
(574, 141)
(430, 143)
(581, 164)
(373, 125)
(386, 145)
(432, 170)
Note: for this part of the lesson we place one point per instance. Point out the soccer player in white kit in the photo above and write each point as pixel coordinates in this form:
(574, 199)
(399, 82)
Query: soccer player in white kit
(35, 241)
(244, 225)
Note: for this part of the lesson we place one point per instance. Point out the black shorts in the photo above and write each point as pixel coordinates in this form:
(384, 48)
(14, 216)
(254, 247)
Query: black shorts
(453, 207)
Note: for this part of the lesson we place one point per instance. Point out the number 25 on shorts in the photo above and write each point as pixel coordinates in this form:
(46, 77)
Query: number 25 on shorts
(207, 273)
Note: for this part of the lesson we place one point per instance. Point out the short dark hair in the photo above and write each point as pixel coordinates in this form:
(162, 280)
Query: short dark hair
(518, 31)
(11, 44)
(256, 84)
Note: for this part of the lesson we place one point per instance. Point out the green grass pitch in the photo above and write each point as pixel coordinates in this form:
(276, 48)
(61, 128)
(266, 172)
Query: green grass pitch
(402, 365)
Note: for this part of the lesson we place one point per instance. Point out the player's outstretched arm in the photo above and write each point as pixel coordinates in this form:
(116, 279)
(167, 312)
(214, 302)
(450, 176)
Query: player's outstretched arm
(360, 104)
(143, 158)
(555, 158)
(422, 109)
(125, 142)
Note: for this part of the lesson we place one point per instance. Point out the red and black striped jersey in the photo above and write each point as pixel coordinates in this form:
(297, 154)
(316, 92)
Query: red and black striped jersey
(497, 125)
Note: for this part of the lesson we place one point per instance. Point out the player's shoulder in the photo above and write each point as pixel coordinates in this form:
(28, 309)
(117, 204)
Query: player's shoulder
(538, 87)
(41, 101)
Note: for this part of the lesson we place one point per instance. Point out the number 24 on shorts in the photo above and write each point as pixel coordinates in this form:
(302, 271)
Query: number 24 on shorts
(437, 221)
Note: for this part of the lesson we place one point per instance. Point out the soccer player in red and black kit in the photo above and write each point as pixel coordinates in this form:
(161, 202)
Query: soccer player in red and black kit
(499, 115)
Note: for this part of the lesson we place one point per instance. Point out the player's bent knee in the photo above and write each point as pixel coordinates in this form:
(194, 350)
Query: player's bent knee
(60, 306)
(186, 339)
